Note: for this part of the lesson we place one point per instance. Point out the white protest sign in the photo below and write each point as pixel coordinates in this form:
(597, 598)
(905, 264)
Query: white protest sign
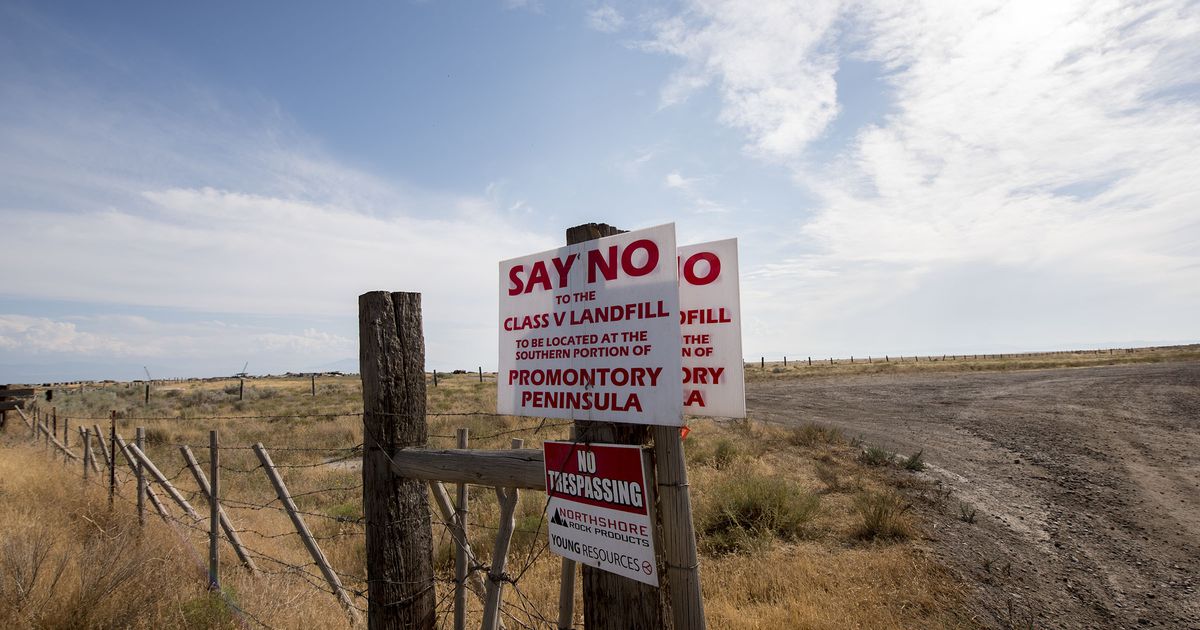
(591, 331)
(711, 326)
(598, 508)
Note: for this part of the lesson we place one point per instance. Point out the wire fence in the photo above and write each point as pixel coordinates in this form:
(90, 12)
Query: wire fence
(332, 503)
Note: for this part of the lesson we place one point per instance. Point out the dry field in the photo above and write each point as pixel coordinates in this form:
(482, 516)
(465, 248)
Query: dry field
(795, 530)
(1063, 498)
(800, 367)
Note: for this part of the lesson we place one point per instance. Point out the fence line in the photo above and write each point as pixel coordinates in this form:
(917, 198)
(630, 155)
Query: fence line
(518, 611)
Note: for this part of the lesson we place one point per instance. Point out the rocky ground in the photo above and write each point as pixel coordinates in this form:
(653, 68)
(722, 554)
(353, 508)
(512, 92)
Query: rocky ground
(1083, 484)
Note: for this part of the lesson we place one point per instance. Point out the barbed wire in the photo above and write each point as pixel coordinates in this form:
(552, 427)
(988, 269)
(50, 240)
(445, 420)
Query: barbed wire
(513, 611)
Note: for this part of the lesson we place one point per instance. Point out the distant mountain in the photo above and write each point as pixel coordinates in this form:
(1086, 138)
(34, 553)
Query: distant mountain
(346, 366)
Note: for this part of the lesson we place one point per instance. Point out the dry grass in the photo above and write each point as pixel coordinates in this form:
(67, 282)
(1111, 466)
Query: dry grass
(775, 554)
(799, 367)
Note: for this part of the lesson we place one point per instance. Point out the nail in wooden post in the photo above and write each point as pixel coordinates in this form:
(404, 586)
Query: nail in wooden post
(305, 535)
(495, 584)
(460, 548)
(214, 512)
(231, 534)
(140, 440)
(399, 538)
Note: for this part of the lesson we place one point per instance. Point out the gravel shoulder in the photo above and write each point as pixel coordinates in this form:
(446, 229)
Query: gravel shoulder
(1085, 482)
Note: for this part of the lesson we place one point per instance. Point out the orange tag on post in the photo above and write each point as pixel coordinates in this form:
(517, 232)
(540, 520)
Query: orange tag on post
(684, 431)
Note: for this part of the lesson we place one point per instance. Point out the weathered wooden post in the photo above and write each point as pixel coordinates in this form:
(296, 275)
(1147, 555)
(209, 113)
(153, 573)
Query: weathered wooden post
(139, 438)
(481, 374)
(231, 533)
(611, 601)
(147, 400)
(507, 498)
(314, 385)
(460, 548)
(241, 387)
(399, 540)
(678, 532)
(112, 460)
(331, 576)
(214, 511)
(566, 587)
(87, 454)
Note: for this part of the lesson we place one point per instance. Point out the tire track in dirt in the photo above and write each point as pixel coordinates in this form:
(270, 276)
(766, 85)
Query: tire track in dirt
(1086, 481)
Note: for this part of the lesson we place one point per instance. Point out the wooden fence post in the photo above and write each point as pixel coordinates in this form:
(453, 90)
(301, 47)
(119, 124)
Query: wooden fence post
(103, 447)
(241, 387)
(496, 577)
(87, 453)
(230, 533)
(214, 512)
(481, 374)
(566, 587)
(399, 539)
(112, 461)
(139, 438)
(460, 550)
(678, 533)
(285, 498)
(147, 400)
(446, 507)
(66, 436)
(610, 601)
(314, 385)
(132, 455)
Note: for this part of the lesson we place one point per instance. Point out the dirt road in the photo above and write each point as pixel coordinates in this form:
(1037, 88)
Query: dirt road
(1086, 482)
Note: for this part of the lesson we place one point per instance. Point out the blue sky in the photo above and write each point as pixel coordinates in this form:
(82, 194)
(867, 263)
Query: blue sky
(190, 187)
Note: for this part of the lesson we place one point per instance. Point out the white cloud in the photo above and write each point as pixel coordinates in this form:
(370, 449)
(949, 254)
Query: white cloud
(771, 61)
(605, 19)
(129, 202)
(1048, 141)
(677, 181)
(36, 335)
